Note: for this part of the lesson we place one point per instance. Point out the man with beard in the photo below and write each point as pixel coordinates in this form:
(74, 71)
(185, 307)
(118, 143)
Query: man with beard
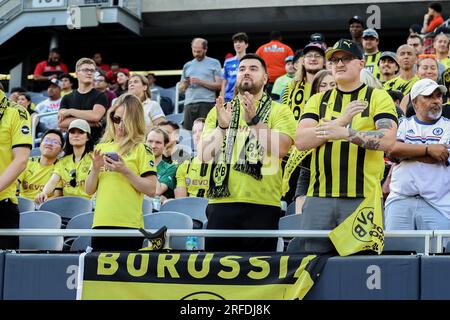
(246, 139)
(356, 29)
(406, 58)
(388, 66)
(49, 69)
(371, 53)
(201, 78)
(419, 195)
(348, 128)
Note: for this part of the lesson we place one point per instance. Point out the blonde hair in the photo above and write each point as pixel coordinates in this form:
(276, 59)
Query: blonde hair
(84, 61)
(144, 80)
(133, 121)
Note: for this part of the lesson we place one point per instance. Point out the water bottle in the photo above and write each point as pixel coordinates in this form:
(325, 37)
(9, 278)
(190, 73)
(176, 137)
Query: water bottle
(192, 243)
(156, 203)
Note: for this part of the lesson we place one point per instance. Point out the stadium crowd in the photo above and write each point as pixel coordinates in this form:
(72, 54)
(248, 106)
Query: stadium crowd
(322, 127)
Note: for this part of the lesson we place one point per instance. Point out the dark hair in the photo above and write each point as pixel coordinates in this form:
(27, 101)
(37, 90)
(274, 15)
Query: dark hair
(173, 124)
(298, 54)
(395, 95)
(68, 148)
(18, 89)
(68, 76)
(26, 95)
(415, 36)
(240, 36)
(55, 50)
(255, 56)
(54, 131)
(164, 133)
(275, 35)
(436, 6)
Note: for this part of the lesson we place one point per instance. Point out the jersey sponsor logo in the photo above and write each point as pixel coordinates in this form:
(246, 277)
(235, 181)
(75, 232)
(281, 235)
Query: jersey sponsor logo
(410, 131)
(438, 131)
(25, 129)
(151, 163)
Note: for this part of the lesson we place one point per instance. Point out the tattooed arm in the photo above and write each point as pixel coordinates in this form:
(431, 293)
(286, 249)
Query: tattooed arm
(383, 138)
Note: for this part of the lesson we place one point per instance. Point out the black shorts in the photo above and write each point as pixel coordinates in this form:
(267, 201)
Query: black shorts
(9, 219)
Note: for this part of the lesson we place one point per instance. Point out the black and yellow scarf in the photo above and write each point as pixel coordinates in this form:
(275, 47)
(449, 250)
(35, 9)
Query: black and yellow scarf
(250, 157)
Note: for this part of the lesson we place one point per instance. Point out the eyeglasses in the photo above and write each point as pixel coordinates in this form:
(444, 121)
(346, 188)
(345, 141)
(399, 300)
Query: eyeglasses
(313, 56)
(73, 181)
(345, 60)
(116, 119)
(85, 70)
(51, 141)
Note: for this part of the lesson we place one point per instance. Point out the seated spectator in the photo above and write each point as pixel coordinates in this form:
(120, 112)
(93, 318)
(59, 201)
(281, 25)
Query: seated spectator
(50, 104)
(39, 169)
(101, 84)
(122, 83)
(419, 195)
(103, 68)
(71, 171)
(138, 85)
(67, 82)
(157, 139)
(24, 100)
(193, 175)
(154, 88)
(14, 94)
(49, 69)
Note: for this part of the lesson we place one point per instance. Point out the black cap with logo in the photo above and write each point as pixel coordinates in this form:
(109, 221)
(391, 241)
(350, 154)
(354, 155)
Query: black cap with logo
(348, 46)
(355, 19)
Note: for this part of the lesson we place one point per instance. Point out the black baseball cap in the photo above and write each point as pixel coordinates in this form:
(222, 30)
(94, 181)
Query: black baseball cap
(348, 46)
(316, 37)
(355, 19)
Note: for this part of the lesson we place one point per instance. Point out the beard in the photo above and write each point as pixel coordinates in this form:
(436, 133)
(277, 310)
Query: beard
(52, 63)
(250, 86)
(434, 115)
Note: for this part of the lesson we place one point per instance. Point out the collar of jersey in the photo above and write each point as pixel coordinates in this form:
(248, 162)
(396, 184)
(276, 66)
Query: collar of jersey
(425, 123)
(350, 92)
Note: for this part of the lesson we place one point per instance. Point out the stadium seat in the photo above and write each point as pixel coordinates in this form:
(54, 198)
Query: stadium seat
(194, 207)
(40, 220)
(147, 206)
(67, 207)
(80, 221)
(26, 204)
(172, 220)
(290, 209)
(405, 245)
(176, 117)
(290, 222)
(35, 152)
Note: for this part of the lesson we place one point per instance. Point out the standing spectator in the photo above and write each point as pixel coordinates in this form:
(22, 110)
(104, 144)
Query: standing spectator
(15, 133)
(388, 66)
(240, 44)
(440, 45)
(281, 83)
(347, 160)
(431, 20)
(406, 58)
(51, 104)
(121, 180)
(318, 38)
(372, 55)
(274, 53)
(84, 103)
(157, 138)
(67, 82)
(153, 114)
(415, 41)
(24, 100)
(193, 175)
(71, 171)
(39, 169)
(245, 185)
(419, 195)
(103, 68)
(101, 84)
(49, 69)
(356, 29)
(200, 80)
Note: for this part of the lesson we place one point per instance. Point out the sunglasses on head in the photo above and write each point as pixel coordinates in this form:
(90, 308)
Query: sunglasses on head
(116, 119)
(73, 181)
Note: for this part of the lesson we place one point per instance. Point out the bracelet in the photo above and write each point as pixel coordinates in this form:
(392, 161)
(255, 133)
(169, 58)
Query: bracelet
(426, 150)
(221, 127)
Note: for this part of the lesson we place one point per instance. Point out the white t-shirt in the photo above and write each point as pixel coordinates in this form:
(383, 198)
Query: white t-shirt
(50, 122)
(411, 178)
(152, 111)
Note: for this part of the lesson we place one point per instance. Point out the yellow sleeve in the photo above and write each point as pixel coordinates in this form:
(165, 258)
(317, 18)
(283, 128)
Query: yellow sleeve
(21, 128)
(146, 160)
(282, 120)
(181, 174)
(384, 106)
(312, 107)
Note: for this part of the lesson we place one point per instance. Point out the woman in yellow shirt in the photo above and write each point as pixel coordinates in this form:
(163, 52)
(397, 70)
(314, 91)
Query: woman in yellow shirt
(123, 170)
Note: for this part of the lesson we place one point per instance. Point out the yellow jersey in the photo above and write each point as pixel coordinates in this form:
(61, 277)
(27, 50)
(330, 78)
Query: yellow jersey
(194, 176)
(73, 175)
(34, 178)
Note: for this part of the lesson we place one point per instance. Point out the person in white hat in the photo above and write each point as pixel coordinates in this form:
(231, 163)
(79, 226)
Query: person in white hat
(419, 195)
(71, 171)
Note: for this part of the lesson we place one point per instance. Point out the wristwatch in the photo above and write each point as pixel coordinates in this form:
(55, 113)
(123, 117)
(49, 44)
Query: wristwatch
(254, 121)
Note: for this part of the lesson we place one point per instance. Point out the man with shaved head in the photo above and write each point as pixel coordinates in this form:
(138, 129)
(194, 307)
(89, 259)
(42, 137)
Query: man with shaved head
(201, 78)
(406, 58)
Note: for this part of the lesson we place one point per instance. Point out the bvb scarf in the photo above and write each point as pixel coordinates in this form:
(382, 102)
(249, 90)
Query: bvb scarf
(250, 157)
(295, 158)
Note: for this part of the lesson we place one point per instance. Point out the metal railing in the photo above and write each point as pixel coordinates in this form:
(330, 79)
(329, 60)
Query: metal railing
(427, 235)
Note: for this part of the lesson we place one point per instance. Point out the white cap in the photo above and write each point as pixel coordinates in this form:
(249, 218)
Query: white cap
(425, 87)
(81, 124)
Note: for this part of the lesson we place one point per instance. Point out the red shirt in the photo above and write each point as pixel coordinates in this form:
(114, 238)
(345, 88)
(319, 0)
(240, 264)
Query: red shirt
(274, 54)
(436, 22)
(43, 69)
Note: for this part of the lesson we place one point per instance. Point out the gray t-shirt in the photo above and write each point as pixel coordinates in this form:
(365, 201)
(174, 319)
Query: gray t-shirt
(206, 70)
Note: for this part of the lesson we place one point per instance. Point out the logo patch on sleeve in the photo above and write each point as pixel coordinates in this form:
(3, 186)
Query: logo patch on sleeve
(25, 129)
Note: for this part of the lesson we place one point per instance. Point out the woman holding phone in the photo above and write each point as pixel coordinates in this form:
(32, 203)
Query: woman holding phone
(71, 171)
(123, 170)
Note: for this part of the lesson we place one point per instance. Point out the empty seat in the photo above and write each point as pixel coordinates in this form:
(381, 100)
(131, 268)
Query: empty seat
(291, 222)
(40, 220)
(80, 221)
(176, 117)
(26, 204)
(290, 209)
(67, 207)
(147, 206)
(194, 207)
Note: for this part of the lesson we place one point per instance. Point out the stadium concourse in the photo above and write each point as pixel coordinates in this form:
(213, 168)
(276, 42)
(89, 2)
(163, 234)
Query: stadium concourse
(177, 173)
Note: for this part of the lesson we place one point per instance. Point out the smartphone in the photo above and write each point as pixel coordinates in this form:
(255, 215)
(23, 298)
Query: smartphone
(112, 155)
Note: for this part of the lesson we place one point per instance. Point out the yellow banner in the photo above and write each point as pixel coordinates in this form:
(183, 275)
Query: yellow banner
(197, 276)
(295, 158)
(362, 230)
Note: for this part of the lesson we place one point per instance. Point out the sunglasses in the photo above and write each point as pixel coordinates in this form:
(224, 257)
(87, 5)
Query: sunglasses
(116, 119)
(73, 181)
(345, 60)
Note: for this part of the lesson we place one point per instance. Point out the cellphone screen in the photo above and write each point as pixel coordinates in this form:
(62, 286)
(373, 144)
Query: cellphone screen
(112, 155)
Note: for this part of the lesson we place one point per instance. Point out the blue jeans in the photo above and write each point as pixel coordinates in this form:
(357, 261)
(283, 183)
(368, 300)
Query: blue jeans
(414, 213)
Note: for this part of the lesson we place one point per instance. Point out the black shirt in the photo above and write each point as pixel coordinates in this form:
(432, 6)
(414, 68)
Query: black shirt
(86, 101)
